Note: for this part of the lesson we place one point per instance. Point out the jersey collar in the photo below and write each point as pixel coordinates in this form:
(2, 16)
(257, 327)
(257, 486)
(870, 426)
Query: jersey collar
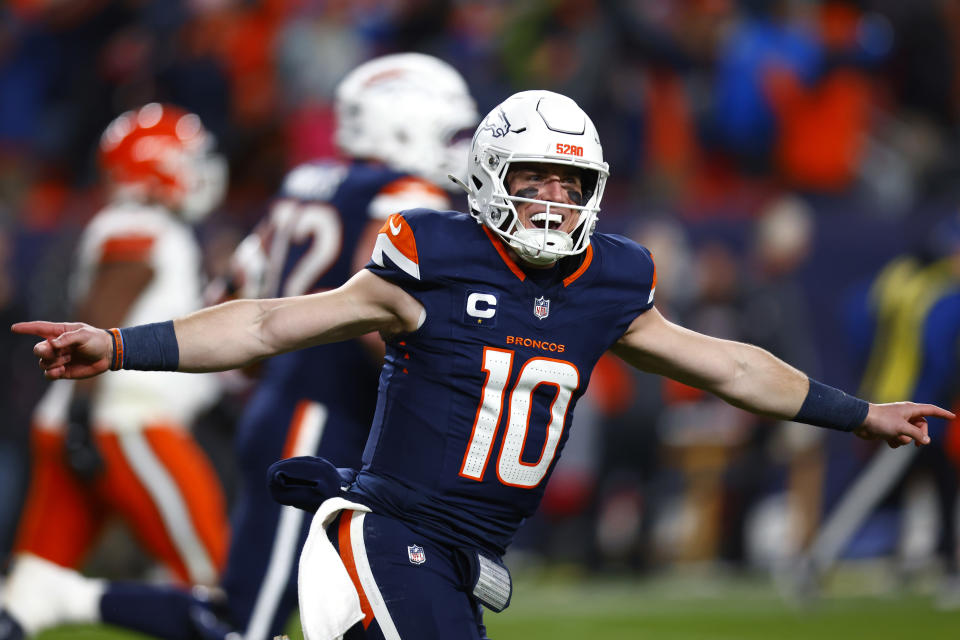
(517, 271)
(502, 250)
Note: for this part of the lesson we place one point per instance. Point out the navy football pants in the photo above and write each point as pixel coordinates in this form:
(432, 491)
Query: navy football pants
(410, 588)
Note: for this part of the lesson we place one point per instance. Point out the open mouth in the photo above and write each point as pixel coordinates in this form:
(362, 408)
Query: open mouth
(551, 221)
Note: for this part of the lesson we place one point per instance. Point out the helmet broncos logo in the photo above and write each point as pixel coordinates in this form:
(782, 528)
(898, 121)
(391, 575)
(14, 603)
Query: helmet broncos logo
(498, 129)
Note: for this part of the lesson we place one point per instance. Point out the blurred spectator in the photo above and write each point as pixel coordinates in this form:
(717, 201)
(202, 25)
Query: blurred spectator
(922, 70)
(307, 87)
(562, 46)
(768, 34)
(727, 465)
(700, 434)
(777, 316)
(633, 485)
(777, 311)
(823, 121)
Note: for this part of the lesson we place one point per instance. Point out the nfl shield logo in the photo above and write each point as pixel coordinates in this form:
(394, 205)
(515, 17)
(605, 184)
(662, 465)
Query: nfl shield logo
(416, 554)
(541, 307)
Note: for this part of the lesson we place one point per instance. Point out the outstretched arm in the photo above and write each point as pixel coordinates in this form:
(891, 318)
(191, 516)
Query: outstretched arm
(240, 332)
(751, 378)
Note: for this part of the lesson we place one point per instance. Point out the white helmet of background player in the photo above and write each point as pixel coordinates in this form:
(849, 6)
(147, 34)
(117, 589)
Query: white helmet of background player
(535, 126)
(405, 110)
(161, 153)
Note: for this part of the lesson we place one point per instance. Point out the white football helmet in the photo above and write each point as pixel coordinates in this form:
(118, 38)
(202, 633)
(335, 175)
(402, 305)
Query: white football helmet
(535, 126)
(405, 110)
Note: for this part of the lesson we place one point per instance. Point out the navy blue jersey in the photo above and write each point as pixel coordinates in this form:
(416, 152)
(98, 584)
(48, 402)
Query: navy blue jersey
(308, 241)
(474, 407)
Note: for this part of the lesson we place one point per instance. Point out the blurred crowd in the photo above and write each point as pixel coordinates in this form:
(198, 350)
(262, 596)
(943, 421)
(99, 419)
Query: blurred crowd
(773, 154)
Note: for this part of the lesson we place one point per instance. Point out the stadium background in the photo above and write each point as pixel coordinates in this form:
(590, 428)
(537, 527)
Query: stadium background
(824, 134)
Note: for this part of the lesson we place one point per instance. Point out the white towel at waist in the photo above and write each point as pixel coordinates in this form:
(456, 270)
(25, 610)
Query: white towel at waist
(329, 604)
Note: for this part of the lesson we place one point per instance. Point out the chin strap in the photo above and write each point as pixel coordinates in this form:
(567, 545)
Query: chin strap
(542, 260)
(540, 257)
(460, 183)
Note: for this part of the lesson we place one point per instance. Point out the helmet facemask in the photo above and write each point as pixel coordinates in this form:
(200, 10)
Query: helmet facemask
(542, 241)
(206, 185)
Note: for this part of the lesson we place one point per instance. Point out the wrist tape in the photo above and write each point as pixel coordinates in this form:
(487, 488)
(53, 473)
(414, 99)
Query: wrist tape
(828, 407)
(146, 347)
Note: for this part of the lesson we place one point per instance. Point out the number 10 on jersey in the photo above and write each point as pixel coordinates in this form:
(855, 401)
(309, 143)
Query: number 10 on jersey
(538, 371)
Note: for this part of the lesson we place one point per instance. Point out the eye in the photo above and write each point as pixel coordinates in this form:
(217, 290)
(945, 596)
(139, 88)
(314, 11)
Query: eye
(573, 179)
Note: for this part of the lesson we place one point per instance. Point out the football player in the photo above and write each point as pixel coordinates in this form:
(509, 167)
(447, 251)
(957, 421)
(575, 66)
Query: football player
(121, 445)
(493, 322)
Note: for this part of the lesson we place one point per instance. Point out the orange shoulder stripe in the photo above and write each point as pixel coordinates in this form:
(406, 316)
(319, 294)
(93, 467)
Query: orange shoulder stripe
(131, 248)
(587, 259)
(400, 235)
(498, 245)
(412, 185)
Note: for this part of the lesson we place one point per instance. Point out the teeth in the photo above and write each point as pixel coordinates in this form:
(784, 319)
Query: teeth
(551, 220)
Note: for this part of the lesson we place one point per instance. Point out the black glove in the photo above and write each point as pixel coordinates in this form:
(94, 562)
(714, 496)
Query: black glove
(80, 448)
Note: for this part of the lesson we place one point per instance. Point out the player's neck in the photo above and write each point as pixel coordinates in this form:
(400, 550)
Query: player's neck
(542, 273)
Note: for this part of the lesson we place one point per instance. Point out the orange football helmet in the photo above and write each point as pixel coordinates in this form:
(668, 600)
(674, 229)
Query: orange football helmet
(161, 153)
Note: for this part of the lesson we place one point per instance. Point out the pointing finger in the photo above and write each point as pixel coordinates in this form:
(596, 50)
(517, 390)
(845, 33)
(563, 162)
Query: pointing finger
(932, 410)
(39, 328)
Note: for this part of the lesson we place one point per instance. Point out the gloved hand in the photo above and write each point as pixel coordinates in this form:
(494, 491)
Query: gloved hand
(80, 447)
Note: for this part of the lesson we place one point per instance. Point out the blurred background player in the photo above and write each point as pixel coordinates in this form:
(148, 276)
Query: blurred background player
(122, 447)
(398, 117)
(906, 324)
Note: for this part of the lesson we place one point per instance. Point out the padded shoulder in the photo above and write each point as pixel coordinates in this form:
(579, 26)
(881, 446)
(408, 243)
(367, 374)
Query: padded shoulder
(419, 245)
(629, 266)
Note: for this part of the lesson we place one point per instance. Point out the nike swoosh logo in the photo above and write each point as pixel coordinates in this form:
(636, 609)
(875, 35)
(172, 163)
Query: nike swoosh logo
(393, 229)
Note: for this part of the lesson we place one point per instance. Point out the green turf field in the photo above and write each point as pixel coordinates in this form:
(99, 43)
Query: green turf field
(707, 608)
(558, 606)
